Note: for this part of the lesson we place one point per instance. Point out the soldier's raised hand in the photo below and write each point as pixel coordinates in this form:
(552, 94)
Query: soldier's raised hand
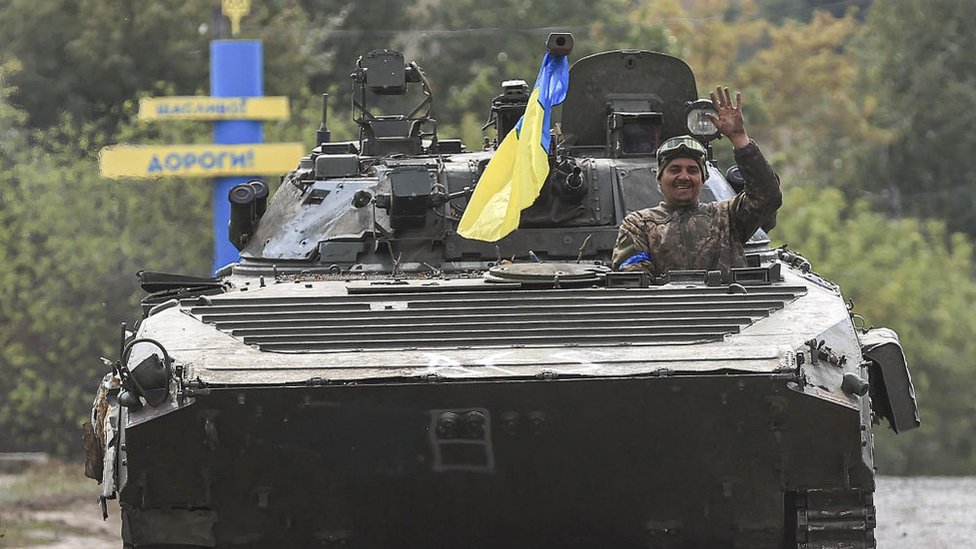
(729, 118)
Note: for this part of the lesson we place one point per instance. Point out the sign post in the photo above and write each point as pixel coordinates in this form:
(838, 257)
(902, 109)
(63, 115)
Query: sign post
(236, 70)
(237, 106)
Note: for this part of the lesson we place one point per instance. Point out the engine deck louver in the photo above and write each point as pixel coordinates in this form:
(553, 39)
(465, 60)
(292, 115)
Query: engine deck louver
(483, 319)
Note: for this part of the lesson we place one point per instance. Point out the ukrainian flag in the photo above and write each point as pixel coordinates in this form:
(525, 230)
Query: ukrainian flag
(513, 178)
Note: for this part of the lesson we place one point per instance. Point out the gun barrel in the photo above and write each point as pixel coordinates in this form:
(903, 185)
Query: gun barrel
(241, 214)
(261, 192)
(560, 43)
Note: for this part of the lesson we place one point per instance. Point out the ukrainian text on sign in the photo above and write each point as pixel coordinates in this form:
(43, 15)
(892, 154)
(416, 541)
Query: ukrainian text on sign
(153, 161)
(213, 108)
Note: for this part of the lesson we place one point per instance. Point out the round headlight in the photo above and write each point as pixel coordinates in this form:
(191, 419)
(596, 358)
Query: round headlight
(145, 367)
(698, 122)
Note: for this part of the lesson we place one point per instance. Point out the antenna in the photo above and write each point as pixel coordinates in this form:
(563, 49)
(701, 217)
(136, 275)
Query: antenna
(323, 135)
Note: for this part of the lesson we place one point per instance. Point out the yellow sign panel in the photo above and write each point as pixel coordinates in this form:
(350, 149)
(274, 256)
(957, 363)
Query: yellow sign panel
(194, 107)
(154, 161)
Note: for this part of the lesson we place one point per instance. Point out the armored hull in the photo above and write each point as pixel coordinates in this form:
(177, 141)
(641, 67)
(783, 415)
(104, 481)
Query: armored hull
(366, 377)
(388, 413)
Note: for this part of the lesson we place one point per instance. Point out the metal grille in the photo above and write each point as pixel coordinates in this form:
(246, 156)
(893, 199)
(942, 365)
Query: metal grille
(480, 319)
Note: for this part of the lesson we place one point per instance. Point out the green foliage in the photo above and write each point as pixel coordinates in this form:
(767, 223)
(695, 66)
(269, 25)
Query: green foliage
(921, 64)
(126, 48)
(70, 244)
(804, 10)
(87, 57)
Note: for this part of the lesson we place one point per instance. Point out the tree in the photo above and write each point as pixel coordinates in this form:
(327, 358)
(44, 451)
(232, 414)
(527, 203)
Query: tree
(712, 39)
(88, 70)
(810, 130)
(803, 10)
(70, 244)
(918, 59)
(131, 47)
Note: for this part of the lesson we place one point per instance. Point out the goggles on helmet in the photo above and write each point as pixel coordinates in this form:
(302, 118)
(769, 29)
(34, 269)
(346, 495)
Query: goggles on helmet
(685, 143)
(682, 146)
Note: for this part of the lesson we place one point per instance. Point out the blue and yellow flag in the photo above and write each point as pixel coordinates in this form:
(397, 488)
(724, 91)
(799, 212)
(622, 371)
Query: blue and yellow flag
(514, 177)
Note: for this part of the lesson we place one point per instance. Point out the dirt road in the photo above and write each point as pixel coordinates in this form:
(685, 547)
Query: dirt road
(57, 511)
(929, 512)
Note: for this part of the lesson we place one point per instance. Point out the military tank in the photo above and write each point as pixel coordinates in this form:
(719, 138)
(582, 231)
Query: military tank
(366, 377)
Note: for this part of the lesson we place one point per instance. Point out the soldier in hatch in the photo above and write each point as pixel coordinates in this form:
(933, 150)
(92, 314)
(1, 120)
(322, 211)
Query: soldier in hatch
(682, 233)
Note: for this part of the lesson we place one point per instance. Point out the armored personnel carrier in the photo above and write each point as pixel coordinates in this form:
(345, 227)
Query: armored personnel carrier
(366, 377)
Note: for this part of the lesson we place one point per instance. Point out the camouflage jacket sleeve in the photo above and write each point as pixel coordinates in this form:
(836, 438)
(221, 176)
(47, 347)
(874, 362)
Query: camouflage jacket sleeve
(760, 199)
(631, 241)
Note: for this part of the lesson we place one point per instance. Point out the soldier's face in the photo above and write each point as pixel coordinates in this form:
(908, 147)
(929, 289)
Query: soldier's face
(681, 182)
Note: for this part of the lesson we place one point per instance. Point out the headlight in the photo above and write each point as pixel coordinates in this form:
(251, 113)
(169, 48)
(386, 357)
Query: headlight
(698, 122)
(145, 369)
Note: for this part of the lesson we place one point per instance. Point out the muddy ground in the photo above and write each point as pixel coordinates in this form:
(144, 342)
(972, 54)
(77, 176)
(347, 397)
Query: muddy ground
(52, 506)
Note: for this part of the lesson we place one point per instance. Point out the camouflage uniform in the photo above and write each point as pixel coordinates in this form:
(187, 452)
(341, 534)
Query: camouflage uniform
(706, 236)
